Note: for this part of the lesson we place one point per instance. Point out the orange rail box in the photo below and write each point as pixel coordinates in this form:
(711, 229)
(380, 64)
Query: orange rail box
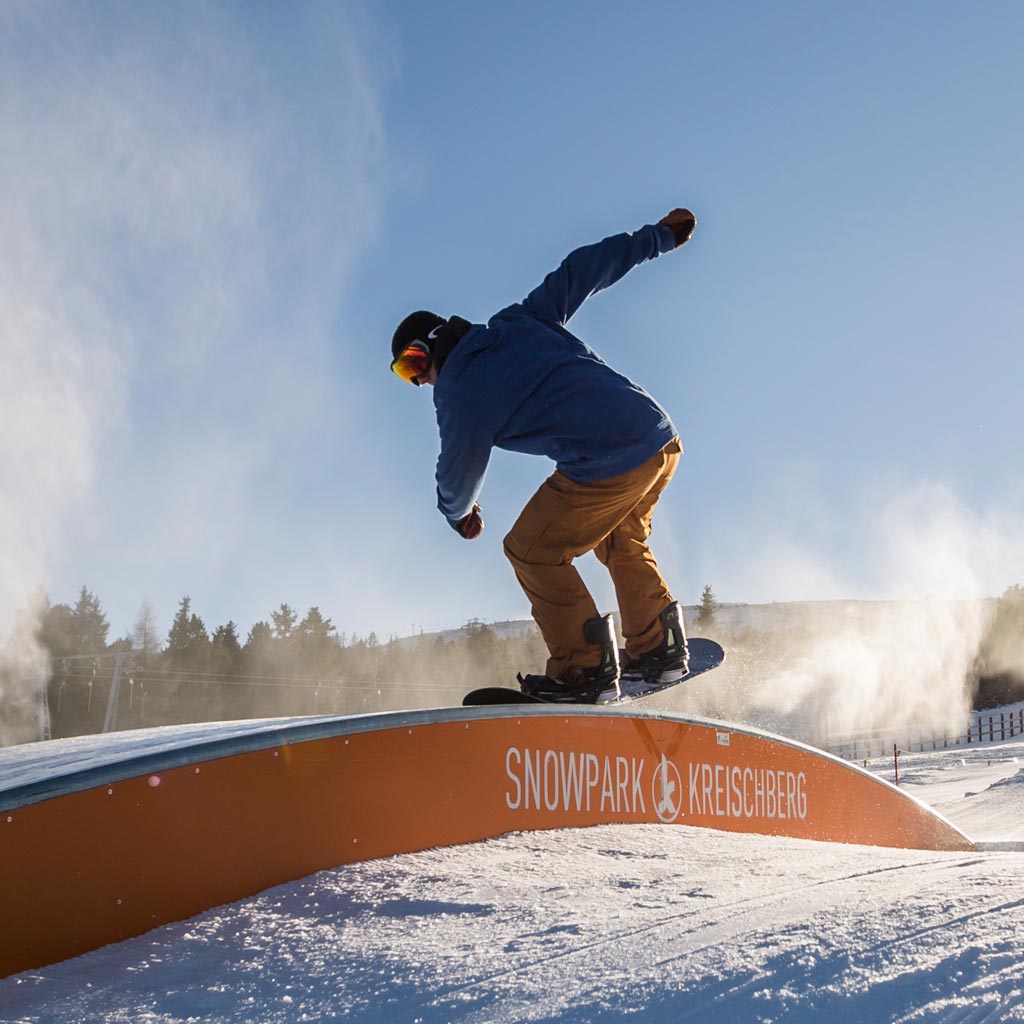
(96, 854)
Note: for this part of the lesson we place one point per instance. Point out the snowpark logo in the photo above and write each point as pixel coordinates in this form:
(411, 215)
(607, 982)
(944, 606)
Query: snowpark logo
(554, 780)
(667, 791)
(732, 791)
(560, 780)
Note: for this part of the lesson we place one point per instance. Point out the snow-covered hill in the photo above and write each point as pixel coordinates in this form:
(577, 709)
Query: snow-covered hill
(615, 923)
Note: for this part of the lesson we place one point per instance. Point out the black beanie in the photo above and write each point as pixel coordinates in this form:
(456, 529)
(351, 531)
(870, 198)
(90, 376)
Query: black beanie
(415, 327)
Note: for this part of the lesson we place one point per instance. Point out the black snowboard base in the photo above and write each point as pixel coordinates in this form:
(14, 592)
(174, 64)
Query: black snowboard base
(704, 656)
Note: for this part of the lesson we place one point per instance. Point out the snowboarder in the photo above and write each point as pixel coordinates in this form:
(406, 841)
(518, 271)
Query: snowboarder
(523, 383)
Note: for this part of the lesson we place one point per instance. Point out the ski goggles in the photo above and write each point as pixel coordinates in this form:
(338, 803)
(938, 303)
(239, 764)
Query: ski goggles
(412, 362)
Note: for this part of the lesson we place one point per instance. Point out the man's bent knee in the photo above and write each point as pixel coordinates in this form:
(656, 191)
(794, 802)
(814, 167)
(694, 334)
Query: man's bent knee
(511, 549)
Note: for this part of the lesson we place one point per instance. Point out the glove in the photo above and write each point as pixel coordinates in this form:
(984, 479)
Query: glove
(682, 223)
(471, 526)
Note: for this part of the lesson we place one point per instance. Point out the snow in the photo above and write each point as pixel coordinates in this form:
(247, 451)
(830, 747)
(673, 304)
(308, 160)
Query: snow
(614, 923)
(981, 790)
(33, 763)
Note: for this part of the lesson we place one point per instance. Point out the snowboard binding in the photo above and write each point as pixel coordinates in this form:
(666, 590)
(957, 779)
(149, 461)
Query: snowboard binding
(669, 661)
(580, 685)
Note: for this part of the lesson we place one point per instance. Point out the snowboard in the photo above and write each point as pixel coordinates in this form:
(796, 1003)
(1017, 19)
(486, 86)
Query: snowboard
(704, 656)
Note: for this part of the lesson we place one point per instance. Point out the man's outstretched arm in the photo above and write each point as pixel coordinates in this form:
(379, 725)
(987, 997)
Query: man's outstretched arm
(592, 268)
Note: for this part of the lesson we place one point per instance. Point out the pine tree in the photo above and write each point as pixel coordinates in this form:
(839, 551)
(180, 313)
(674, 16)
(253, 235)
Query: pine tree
(89, 626)
(284, 622)
(188, 643)
(314, 628)
(56, 630)
(708, 607)
(318, 644)
(259, 637)
(177, 638)
(258, 648)
(225, 650)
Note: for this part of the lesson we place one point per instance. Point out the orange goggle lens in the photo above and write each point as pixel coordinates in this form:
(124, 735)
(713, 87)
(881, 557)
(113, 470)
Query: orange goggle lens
(413, 362)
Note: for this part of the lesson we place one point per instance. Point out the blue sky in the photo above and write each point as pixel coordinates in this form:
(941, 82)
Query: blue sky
(215, 214)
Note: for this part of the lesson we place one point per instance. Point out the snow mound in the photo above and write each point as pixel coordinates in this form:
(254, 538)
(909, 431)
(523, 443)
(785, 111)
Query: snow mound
(1015, 781)
(612, 923)
(996, 814)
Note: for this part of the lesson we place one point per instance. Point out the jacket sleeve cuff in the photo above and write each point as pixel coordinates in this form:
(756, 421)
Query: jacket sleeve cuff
(666, 237)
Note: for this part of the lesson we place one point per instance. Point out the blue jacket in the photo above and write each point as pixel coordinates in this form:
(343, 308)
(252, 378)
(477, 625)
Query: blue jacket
(523, 383)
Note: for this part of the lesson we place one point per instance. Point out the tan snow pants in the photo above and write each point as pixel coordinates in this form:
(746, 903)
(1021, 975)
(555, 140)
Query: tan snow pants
(612, 518)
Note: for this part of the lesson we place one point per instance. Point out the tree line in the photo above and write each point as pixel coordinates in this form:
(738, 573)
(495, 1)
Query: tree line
(286, 645)
(295, 665)
(310, 645)
(287, 665)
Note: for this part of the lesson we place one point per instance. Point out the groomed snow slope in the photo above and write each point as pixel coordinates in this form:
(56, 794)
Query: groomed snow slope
(615, 923)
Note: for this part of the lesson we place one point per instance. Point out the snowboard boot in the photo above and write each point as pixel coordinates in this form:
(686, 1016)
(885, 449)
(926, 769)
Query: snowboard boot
(669, 661)
(579, 685)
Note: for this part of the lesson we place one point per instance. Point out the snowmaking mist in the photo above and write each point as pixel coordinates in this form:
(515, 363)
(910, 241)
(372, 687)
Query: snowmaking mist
(137, 212)
(58, 395)
(906, 658)
(58, 387)
(844, 668)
